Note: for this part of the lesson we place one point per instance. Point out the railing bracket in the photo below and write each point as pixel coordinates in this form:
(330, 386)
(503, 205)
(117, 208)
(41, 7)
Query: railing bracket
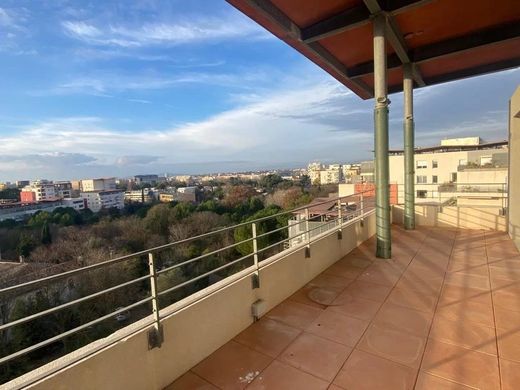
(255, 281)
(340, 235)
(155, 338)
(307, 252)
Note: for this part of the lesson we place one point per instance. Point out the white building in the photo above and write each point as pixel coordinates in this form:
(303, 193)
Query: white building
(313, 170)
(331, 175)
(76, 203)
(141, 196)
(42, 190)
(450, 163)
(102, 184)
(97, 200)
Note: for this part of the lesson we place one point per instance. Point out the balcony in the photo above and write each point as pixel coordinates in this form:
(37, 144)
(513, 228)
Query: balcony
(322, 314)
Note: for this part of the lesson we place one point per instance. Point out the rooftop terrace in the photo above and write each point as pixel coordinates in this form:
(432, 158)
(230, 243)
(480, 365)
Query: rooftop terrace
(444, 313)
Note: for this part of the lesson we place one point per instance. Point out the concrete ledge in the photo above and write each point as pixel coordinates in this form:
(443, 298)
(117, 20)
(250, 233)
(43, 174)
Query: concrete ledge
(465, 217)
(196, 326)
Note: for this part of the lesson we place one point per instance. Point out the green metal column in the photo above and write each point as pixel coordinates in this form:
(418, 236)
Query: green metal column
(409, 163)
(383, 238)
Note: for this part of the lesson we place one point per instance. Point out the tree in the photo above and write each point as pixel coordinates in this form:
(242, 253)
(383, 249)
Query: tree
(25, 245)
(46, 237)
(269, 182)
(305, 181)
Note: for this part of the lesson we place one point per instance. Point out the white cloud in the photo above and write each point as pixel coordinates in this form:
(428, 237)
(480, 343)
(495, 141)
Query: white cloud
(267, 129)
(196, 30)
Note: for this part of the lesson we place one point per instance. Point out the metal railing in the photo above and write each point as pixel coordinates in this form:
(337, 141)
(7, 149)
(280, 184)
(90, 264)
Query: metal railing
(459, 194)
(258, 246)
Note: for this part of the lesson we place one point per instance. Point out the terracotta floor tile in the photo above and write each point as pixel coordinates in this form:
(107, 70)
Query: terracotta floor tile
(405, 319)
(427, 381)
(190, 381)
(474, 270)
(294, 314)
(507, 319)
(507, 298)
(344, 271)
(467, 310)
(282, 376)
(328, 281)
(315, 355)
(232, 366)
(509, 344)
(461, 365)
(363, 309)
(453, 294)
(379, 275)
(428, 286)
(364, 371)
(510, 374)
(504, 272)
(367, 290)
(390, 343)
(356, 261)
(500, 283)
(315, 296)
(464, 279)
(413, 299)
(268, 336)
(338, 327)
(465, 334)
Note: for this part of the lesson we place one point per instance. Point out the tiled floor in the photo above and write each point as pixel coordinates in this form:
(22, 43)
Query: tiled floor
(444, 313)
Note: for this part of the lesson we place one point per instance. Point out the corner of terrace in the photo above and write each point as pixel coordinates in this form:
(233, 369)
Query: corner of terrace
(360, 294)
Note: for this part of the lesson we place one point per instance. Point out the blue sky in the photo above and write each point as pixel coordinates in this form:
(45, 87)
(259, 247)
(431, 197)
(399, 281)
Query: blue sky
(98, 88)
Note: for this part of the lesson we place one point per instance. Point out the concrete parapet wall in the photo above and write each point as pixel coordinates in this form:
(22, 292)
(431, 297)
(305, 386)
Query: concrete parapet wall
(465, 217)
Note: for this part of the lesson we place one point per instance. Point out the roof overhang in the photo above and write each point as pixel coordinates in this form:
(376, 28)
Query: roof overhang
(444, 40)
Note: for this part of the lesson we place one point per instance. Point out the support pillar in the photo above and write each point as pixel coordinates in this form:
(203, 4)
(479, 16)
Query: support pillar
(409, 161)
(383, 238)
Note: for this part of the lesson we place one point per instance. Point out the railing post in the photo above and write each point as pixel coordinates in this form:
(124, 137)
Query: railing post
(362, 208)
(340, 221)
(155, 335)
(255, 281)
(308, 234)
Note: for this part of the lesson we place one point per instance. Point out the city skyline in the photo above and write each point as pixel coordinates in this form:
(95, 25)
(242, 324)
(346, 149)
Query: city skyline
(107, 89)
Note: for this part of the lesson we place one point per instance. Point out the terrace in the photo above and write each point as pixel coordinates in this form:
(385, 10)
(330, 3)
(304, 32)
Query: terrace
(443, 313)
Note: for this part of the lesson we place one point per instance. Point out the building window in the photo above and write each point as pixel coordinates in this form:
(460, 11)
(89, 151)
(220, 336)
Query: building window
(420, 164)
(421, 180)
(453, 177)
(422, 194)
(486, 160)
(435, 179)
(435, 164)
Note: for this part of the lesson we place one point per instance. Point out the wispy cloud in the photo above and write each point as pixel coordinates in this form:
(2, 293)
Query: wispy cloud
(194, 30)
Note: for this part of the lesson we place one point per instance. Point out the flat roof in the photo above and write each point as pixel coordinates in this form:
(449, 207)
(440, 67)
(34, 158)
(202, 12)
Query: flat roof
(453, 148)
(444, 40)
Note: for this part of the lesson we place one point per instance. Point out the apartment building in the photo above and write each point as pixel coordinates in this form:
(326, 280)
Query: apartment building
(455, 161)
(313, 171)
(141, 196)
(38, 191)
(97, 200)
(331, 175)
(102, 184)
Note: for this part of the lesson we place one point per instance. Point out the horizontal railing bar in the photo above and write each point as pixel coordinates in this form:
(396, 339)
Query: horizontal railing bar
(71, 303)
(70, 332)
(176, 287)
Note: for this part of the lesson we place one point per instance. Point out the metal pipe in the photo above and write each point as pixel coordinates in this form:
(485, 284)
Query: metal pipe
(409, 160)
(383, 237)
